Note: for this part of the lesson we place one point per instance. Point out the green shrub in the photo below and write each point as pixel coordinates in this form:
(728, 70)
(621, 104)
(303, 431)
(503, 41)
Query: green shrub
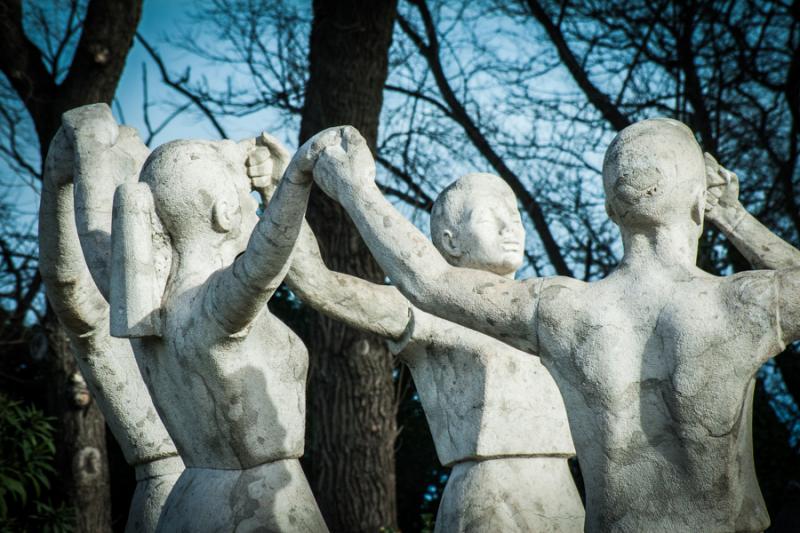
(27, 453)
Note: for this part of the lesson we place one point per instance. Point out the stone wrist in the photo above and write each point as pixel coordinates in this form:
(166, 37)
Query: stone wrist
(728, 218)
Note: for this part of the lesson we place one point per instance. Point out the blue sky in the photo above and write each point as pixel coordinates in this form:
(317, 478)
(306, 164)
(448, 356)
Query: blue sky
(161, 20)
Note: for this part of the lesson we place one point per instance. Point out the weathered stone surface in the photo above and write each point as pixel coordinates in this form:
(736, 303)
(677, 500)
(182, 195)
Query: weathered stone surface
(154, 483)
(274, 496)
(90, 150)
(482, 398)
(655, 362)
(511, 494)
(497, 417)
(227, 377)
(494, 411)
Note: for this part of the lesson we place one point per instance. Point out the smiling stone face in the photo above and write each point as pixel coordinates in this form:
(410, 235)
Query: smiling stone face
(476, 224)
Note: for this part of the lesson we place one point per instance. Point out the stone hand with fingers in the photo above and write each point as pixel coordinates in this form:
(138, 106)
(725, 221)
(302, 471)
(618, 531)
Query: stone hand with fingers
(722, 187)
(345, 168)
(266, 162)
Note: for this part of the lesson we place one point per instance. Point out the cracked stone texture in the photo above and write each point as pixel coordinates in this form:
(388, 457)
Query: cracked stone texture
(510, 494)
(270, 497)
(496, 414)
(482, 398)
(655, 362)
(228, 377)
(494, 411)
(88, 157)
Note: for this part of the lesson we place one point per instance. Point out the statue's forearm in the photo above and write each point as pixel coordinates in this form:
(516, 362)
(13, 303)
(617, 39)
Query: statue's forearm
(406, 255)
(378, 309)
(477, 299)
(94, 194)
(68, 282)
(762, 248)
(105, 156)
(241, 291)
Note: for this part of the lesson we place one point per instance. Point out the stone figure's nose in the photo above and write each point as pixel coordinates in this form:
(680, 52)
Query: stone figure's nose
(507, 228)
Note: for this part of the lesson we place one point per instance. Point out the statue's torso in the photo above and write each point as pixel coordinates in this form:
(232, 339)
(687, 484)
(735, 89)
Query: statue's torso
(483, 398)
(657, 377)
(228, 401)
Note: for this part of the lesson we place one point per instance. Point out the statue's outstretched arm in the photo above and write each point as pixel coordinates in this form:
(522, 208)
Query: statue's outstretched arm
(238, 293)
(363, 305)
(761, 247)
(492, 304)
(69, 285)
(105, 156)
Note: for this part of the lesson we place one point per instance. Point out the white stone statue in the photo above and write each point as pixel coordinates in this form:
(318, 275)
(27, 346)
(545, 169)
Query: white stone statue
(193, 269)
(655, 362)
(495, 413)
(93, 151)
(762, 248)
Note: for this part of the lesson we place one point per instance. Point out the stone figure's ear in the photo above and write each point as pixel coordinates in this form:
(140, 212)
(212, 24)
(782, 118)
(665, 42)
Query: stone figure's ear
(224, 216)
(451, 245)
(699, 207)
(135, 291)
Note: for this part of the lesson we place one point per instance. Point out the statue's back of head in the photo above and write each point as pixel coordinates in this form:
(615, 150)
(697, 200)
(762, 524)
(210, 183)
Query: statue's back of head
(187, 177)
(653, 173)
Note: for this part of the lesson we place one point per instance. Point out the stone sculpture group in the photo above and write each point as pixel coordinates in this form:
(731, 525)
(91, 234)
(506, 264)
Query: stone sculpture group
(650, 370)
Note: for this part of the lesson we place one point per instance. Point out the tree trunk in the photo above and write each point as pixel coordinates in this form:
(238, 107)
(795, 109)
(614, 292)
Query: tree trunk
(351, 403)
(100, 54)
(81, 450)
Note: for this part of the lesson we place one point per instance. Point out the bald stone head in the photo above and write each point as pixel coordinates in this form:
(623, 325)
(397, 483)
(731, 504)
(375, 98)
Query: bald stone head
(201, 188)
(654, 174)
(475, 223)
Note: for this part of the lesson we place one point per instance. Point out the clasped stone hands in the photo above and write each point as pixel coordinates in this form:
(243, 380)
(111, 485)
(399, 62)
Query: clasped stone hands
(94, 128)
(346, 168)
(268, 160)
(100, 138)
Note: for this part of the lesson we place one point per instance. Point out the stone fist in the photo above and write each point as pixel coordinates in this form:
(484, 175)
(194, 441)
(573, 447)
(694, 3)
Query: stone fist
(345, 167)
(94, 122)
(94, 137)
(303, 163)
(722, 187)
(267, 160)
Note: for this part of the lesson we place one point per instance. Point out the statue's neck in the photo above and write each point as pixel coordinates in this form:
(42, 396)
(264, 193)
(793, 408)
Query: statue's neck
(660, 247)
(200, 258)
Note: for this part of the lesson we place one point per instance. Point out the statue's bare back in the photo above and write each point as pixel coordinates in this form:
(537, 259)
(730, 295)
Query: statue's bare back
(636, 357)
(656, 363)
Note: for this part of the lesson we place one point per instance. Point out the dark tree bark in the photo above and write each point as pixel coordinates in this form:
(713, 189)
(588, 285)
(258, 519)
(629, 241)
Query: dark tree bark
(81, 455)
(352, 425)
(106, 38)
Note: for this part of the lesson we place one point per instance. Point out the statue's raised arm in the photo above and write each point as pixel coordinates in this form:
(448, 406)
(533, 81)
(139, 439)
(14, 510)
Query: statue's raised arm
(70, 288)
(238, 293)
(106, 155)
(761, 247)
(370, 307)
(107, 364)
(485, 301)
